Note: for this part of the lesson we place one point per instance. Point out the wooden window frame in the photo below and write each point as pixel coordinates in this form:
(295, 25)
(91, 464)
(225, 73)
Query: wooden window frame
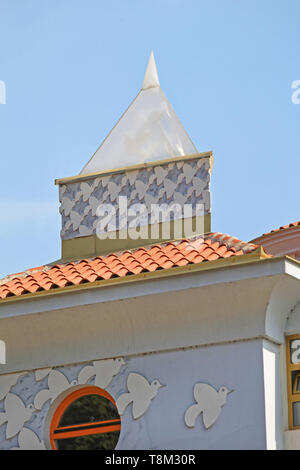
(98, 427)
(293, 395)
(295, 391)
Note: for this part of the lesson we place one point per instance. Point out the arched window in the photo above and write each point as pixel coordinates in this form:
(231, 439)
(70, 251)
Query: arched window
(87, 419)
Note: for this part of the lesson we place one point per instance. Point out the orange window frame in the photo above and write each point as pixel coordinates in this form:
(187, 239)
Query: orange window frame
(98, 427)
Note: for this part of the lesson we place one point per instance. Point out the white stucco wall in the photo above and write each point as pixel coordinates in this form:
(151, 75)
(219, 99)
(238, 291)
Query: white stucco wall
(273, 396)
(241, 424)
(223, 327)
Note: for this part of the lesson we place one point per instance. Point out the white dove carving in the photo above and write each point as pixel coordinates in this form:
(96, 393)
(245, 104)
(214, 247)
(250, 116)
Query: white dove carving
(141, 189)
(206, 199)
(67, 225)
(124, 181)
(189, 172)
(201, 163)
(57, 383)
(87, 209)
(114, 190)
(15, 415)
(104, 371)
(105, 181)
(199, 185)
(104, 197)
(41, 374)
(84, 230)
(7, 381)
(161, 193)
(86, 191)
(149, 199)
(28, 440)
(132, 176)
(141, 392)
(179, 198)
(75, 219)
(67, 205)
(62, 190)
(77, 197)
(94, 204)
(209, 402)
(160, 174)
(169, 187)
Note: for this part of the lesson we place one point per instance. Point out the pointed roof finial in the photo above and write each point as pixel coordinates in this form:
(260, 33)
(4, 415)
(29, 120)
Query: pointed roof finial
(148, 131)
(151, 77)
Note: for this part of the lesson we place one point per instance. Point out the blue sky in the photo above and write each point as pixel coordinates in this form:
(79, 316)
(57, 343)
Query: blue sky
(71, 67)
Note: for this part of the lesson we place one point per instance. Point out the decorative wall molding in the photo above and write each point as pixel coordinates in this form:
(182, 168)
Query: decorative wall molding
(27, 424)
(183, 182)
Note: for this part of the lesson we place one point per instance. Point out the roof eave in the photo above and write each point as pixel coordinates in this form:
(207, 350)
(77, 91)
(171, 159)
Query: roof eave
(257, 256)
(78, 178)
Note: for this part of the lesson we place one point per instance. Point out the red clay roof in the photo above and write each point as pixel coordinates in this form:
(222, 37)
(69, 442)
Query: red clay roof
(283, 227)
(146, 259)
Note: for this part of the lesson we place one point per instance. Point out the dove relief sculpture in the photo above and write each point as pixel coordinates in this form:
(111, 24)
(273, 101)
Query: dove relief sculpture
(28, 440)
(209, 403)
(170, 187)
(41, 374)
(149, 185)
(84, 231)
(103, 371)
(189, 172)
(86, 191)
(8, 381)
(67, 205)
(140, 393)
(57, 383)
(15, 414)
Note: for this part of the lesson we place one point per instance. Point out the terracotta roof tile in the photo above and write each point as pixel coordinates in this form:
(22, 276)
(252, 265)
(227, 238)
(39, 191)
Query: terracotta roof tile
(283, 227)
(146, 259)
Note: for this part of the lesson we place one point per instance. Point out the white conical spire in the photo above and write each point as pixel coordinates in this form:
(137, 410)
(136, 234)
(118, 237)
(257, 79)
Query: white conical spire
(148, 131)
(151, 77)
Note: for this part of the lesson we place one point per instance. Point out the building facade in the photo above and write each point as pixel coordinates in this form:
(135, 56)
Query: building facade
(151, 331)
